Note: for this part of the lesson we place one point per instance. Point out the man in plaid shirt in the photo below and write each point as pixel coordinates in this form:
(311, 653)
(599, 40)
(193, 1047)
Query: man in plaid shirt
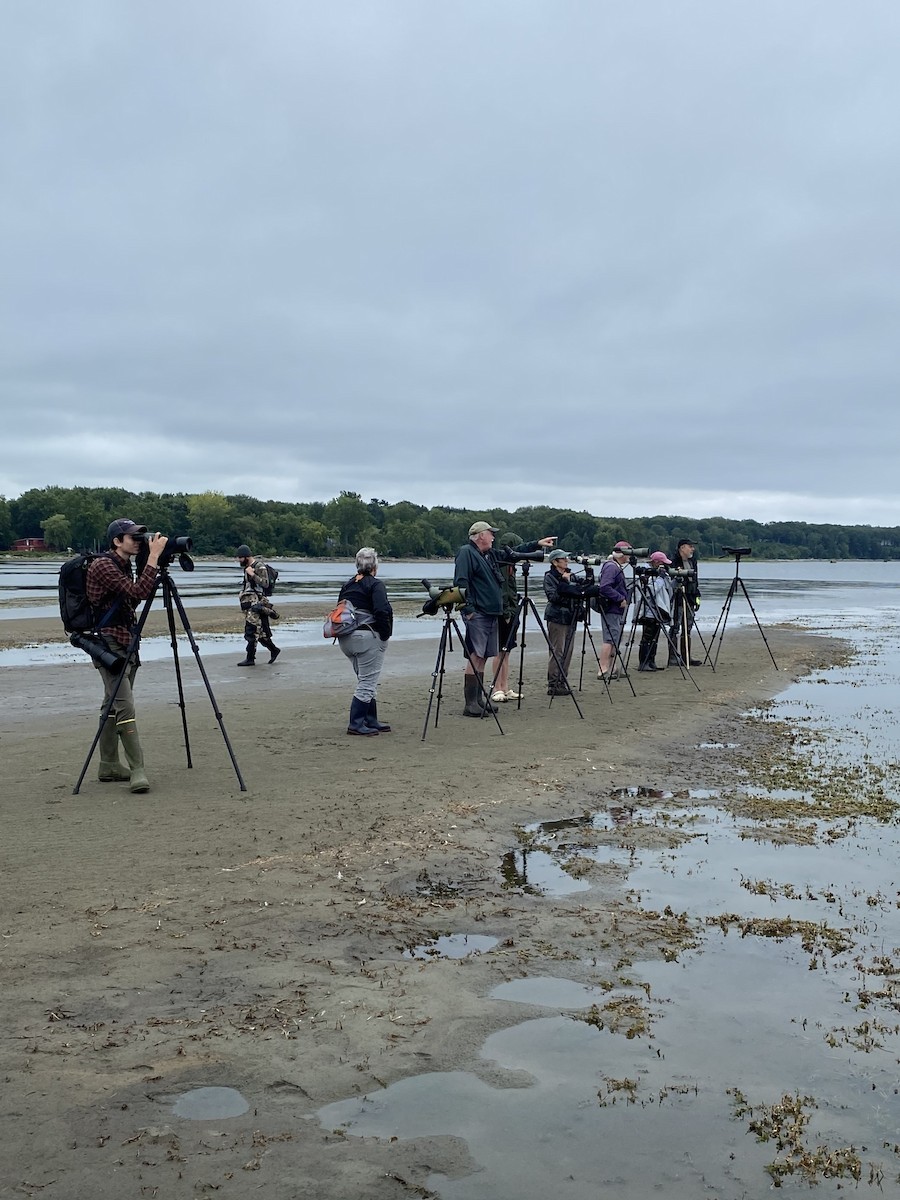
(114, 594)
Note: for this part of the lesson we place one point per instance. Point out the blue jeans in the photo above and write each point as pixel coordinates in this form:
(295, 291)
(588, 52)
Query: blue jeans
(365, 649)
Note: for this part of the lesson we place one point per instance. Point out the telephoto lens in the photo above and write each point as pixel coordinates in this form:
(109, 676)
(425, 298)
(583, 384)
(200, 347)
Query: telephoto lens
(94, 645)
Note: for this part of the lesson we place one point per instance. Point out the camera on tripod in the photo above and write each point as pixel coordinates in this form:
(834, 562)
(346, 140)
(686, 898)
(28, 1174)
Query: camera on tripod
(587, 560)
(180, 545)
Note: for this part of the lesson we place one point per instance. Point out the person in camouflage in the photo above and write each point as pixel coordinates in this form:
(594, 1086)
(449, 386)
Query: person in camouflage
(256, 606)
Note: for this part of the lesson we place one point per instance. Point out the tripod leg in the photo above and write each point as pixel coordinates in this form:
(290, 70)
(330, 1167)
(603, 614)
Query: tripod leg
(756, 619)
(173, 639)
(437, 677)
(186, 626)
(556, 658)
(722, 622)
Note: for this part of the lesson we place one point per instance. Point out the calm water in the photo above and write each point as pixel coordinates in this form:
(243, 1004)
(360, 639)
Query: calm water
(807, 593)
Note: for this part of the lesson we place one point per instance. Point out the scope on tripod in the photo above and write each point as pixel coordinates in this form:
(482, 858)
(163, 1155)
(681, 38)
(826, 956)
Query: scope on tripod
(738, 553)
(440, 597)
(527, 556)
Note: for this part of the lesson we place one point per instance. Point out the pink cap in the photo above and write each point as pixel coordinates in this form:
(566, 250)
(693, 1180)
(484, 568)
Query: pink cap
(658, 557)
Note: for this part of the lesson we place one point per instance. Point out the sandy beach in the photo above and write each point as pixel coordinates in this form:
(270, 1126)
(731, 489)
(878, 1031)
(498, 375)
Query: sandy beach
(205, 936)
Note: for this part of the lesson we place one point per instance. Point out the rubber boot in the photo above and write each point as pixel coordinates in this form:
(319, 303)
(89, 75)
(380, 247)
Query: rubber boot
(473, 696)
(484, 704)
(372, 718)
(358, 726)
(644, 651)
(250, 659)
(111, 770)
(131, 746)
(273, 650)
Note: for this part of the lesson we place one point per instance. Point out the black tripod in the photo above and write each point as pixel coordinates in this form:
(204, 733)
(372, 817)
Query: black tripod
(684, 627)
(736, 583)
(645, 605)
(170, 599)
(523, 607)
(586, 637)
(450, 625)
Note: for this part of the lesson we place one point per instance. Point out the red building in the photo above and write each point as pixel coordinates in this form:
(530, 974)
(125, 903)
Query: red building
(29, 544)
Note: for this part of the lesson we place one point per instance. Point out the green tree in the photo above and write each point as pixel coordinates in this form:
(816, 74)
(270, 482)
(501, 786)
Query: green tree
(57, 532)
(209, 516)
(349, 516)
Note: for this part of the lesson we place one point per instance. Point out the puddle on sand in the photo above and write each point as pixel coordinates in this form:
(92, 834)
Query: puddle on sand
(210, 1104)
(453, 945)
(545, 991)
(538, 872)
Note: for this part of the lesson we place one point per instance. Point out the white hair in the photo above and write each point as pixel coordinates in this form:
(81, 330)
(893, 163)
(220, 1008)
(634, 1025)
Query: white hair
(366, 560)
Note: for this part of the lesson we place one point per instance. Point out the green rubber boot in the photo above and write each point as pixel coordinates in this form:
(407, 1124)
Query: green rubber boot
(111, 770)
(131, 745)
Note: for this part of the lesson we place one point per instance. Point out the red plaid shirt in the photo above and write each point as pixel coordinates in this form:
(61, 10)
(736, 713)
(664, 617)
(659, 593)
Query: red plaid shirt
(110, 578)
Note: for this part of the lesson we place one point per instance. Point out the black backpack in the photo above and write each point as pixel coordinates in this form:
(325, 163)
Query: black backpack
(75, 609)
(273, 579)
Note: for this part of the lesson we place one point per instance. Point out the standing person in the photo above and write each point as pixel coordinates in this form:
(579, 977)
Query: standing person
(506, 627)
(655, 609)
(256, 606)
(366, 645)
(113, 591)
(478, 571)
(565, 600)
(613, 602)
(687, 601)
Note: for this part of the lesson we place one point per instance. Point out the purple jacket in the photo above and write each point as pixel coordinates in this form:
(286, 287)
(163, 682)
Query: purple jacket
(612, 582)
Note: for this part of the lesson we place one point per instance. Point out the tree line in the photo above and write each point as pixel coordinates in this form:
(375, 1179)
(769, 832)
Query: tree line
(77, 518)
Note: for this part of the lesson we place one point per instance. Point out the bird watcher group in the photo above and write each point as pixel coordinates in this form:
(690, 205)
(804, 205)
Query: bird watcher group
(664, 591)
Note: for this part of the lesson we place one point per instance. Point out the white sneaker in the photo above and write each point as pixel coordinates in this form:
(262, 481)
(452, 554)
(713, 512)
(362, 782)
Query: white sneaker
(498, 697)
(513, 695)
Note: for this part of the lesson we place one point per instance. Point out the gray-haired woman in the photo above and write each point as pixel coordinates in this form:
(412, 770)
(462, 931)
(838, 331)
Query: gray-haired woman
(365, 647)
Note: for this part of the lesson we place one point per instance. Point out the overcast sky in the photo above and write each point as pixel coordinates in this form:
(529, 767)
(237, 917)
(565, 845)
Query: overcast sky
(635, 258)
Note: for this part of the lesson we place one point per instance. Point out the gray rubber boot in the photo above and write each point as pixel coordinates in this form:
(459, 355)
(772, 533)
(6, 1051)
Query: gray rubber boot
(131, 745)
(111, 770)
(473, 697)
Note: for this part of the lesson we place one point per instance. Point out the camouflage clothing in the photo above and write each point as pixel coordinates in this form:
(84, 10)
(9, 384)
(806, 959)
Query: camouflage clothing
(257, 608)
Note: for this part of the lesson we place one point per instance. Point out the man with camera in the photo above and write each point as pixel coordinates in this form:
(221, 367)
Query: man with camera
(480, 575)
(613, 602)
(113, 591)
(565, 608)
(256, 606)
(686, 604)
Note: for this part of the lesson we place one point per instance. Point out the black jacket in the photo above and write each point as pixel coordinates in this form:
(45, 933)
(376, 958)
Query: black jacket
(564, 597)
(369, 595)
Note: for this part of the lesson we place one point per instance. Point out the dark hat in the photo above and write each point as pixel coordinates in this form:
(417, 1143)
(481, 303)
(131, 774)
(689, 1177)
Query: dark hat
(243, 552)
(685, 542)
(510, 539)
(121, 526)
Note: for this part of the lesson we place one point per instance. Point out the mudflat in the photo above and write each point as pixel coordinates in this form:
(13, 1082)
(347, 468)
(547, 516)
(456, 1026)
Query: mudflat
(201, 936)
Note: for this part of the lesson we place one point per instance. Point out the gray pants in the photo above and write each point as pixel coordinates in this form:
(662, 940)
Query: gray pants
(365, 649)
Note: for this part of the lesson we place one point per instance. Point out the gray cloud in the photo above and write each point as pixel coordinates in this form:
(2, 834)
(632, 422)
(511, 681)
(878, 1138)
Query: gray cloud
(635, 259)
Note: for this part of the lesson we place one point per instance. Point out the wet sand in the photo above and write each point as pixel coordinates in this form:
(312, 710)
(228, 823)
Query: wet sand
(203, 936)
